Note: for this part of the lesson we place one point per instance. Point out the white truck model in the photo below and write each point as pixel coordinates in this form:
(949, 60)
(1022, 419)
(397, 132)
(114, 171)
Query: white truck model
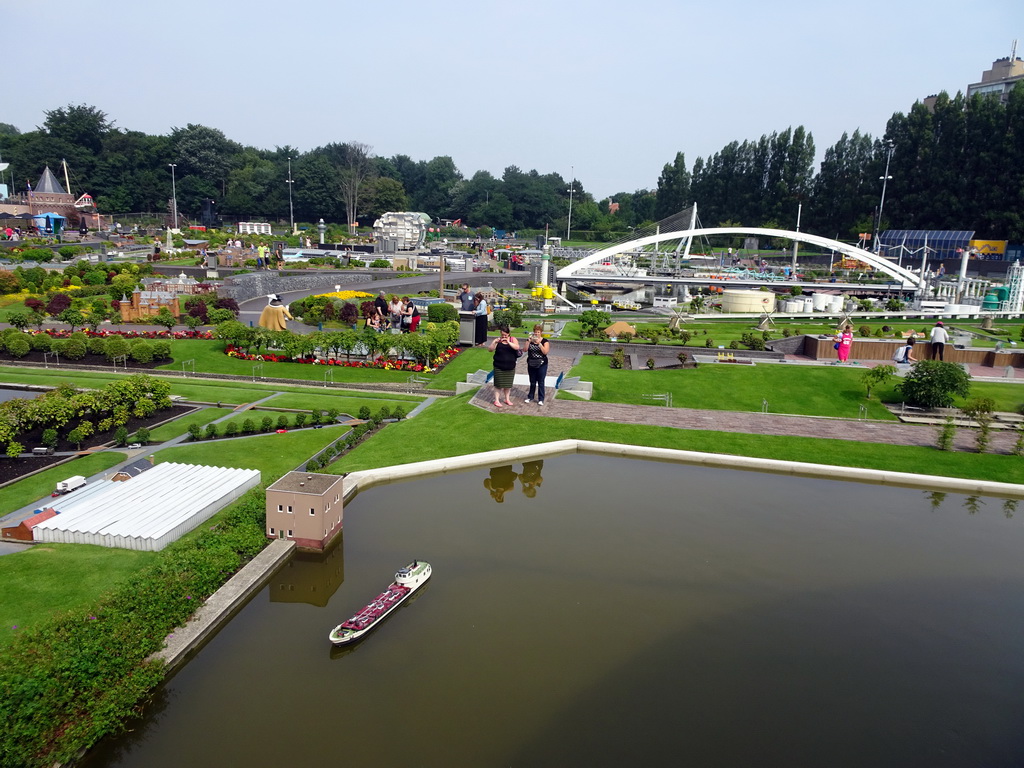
(71, 484)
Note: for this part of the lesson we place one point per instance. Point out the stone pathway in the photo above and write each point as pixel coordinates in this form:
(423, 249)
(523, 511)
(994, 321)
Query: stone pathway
(889, 432)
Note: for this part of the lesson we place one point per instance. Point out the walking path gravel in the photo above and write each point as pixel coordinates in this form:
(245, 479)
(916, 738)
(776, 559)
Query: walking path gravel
(866, 431)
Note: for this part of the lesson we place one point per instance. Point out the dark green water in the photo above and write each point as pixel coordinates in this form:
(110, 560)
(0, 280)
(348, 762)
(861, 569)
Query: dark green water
(630, 613)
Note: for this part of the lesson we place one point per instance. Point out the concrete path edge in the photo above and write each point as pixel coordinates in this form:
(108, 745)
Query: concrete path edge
(366, 479)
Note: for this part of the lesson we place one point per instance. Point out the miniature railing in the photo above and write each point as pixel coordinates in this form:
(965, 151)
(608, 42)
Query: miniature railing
(190, 364)
(257, 368)
(665, 398)
(417, 382)
(328, 376)
(48, 355)
(121, 359)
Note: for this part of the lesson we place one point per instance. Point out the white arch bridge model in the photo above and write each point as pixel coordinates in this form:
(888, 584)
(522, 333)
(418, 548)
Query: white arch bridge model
(909, 279)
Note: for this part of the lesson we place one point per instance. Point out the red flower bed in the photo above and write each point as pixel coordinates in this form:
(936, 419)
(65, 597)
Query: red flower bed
(384, 363)
(64, 333)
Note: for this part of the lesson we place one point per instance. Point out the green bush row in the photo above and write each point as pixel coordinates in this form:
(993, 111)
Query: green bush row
(68, 683)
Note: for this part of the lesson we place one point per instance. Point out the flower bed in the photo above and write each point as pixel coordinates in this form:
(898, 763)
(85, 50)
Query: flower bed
(385, 363)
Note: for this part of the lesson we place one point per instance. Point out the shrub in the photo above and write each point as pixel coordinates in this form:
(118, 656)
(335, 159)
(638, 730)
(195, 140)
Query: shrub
(18, 346)
(72, 349)
(142, 435)
(384, 413)
(399, 413)
(211, 431)
(96, 345)
(161, 350)
(121, 436)
(618, 359)
(709, 343)
(282, 421)
(934, 384)
(142, 353)
(231, 429)
(682, 357)
(650, 363)
(248, 427)
(946, 434)
(195, 432)
(441, 313)
(41, 342)
(300, 419)
(115, 347)
(734, 344)
(864, 331)
(49, 437)
(266, 424)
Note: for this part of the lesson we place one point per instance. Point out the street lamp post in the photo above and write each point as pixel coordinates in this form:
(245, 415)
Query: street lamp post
(174, 195)
(291, 210)
(884, 179)
(572, 186)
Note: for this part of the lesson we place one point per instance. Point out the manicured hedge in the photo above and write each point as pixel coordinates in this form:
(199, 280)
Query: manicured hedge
(76, 679)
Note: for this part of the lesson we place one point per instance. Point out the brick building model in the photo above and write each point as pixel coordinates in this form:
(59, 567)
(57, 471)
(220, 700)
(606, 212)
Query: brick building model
(306, 508)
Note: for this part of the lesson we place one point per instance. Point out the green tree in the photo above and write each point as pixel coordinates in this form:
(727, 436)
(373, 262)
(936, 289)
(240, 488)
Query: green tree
(165, 318)
(934, 384)
(878, 376)
(673, 193)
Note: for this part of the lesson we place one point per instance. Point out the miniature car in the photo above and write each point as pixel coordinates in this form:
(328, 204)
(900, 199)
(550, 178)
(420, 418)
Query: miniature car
(281, 431)
(133, 446)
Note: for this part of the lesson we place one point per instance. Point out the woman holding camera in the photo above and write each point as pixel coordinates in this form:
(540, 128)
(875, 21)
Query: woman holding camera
(506, 352)
(537, 363)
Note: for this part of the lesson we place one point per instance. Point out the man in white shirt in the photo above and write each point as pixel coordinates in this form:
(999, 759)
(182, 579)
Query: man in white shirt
(939, 338)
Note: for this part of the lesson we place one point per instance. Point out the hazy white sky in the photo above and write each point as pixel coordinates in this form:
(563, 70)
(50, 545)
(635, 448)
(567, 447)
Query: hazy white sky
(612, 90)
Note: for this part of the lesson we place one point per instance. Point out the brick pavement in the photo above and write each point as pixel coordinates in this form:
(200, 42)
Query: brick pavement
(867, 431)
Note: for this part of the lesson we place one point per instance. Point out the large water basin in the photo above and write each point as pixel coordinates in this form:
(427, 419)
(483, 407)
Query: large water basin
(617, 612)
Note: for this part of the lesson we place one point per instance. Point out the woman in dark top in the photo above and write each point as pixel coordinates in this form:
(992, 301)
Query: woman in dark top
(537, 363)
(480, 309)
(506, 352)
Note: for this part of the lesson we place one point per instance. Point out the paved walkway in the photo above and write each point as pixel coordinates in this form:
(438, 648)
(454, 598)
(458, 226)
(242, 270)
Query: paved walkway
(867, 431)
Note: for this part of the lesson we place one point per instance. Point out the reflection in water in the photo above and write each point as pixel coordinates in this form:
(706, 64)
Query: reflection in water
(935, 498)
(530, 477)
(310, 577)
(502, 480)
(1009, 507)
(972, 504)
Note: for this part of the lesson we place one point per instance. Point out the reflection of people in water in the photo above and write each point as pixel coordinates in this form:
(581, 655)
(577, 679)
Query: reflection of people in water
(530, 478)
(502, 479)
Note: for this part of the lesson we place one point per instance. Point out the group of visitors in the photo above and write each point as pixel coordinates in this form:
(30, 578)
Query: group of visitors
(394, 313)
(507, 351)
(904, 355)
(12, 233)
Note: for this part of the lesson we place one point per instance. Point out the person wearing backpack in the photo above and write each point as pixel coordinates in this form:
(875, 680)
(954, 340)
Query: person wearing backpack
(905, 354)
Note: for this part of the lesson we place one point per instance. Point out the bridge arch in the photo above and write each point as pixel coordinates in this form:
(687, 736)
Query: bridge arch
(909, 279)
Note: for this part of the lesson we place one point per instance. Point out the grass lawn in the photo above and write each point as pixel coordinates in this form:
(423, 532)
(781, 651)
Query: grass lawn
(33, 488)
(469, 361)
(50, 578)
(180, 426)
(273, 455)
(468, 429)
(808, 391)
(344, 403)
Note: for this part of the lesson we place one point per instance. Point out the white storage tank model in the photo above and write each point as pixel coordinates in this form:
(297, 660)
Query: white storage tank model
(794, 305)
(808, 304)
(739, 300)
(836, 305)
(821, 301)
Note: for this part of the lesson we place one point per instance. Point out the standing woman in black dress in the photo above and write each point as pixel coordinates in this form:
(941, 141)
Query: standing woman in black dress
(506, 353)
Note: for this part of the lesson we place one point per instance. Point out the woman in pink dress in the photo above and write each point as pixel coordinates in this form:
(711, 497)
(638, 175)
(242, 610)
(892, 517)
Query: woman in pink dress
(843, 344)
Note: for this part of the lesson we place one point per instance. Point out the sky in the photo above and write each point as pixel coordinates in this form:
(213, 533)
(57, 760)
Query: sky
(603, 92)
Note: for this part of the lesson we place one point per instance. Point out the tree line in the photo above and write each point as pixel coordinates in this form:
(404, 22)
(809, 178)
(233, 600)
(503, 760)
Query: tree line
(959, 165)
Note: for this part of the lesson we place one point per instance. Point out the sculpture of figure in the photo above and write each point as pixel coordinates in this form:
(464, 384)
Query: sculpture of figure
(274, 315)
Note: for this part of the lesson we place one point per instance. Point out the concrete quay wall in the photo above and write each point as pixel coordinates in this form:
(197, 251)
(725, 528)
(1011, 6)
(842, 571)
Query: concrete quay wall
(223, 604)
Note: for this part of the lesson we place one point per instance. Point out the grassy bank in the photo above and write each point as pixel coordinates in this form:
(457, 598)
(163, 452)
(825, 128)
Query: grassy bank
(469, 429)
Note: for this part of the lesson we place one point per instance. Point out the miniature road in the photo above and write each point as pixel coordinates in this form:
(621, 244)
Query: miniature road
(891, 432)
